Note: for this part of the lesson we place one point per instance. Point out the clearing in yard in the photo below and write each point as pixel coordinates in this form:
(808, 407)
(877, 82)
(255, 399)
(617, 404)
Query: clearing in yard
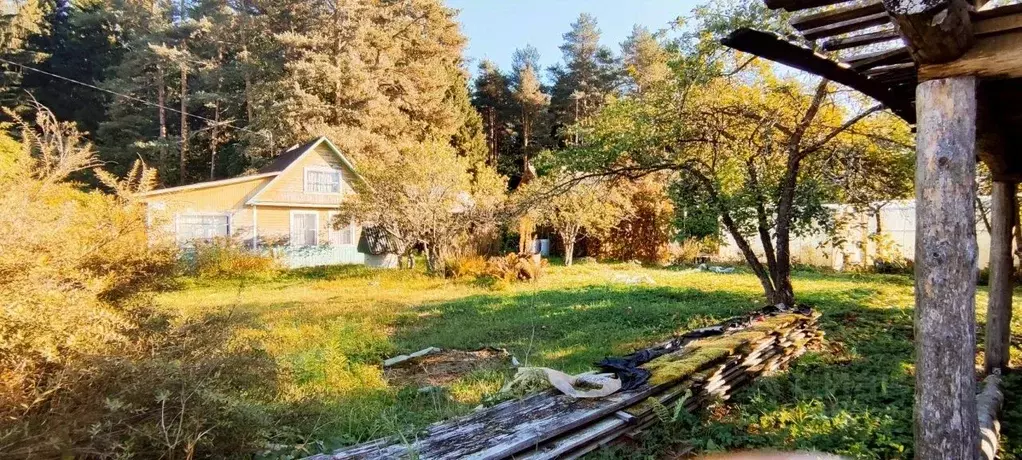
(328, 331)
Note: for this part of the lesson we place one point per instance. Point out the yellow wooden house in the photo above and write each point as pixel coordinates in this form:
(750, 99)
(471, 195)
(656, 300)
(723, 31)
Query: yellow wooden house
(288, 207)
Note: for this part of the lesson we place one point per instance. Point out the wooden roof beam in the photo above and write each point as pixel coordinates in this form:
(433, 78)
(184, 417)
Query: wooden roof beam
(869, 38)
(935, 31)
(841, 14)
(994, 57)
(879, 58)
(796, 5)
(852, 25)
(770, 46)
(1009, 20)
(881, 71)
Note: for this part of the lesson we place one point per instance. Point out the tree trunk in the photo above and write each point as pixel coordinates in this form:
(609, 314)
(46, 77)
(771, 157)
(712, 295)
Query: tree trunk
(183, 166)
(762, 223)
(493, 135)
(161, 101)
(337, 53)
(725, 217)
(434, 259)
(214, 139)
(784, 293)
(750, 256)
(1017, 232)
(945, 323)
(246, 69)
(569, 236)
(781, 272)
(984, 216)
(998, 333)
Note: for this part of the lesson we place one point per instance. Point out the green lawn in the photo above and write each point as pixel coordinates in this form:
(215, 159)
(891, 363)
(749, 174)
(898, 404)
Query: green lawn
(327, 330)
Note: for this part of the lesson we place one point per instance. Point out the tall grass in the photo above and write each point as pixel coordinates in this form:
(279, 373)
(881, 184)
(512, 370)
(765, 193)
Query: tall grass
(228, 258)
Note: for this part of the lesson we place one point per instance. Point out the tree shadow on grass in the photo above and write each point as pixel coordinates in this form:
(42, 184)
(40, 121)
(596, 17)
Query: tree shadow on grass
(567, 329)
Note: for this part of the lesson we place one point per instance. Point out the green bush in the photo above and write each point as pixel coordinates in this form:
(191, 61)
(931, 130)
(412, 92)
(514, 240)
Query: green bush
(227, 258)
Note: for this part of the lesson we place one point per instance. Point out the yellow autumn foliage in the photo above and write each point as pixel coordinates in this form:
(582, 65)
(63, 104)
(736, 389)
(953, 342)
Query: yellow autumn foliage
(87, 365)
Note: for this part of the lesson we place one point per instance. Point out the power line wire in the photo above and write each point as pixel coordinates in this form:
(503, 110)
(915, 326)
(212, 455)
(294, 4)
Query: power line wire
(132, 98)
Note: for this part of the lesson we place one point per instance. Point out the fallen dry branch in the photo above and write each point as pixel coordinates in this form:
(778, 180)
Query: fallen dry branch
(550, 425)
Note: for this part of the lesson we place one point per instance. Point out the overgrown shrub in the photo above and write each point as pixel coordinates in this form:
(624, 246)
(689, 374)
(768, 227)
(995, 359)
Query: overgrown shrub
(645, 232)
(888, 258)
(227, 258)
(464, 267)
(87, 367)
(688, 251)
(516, 267)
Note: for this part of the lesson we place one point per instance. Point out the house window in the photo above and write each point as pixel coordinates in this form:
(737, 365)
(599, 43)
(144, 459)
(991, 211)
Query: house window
(204, 227)
(322, 180)
(342, 236)
(304, 229)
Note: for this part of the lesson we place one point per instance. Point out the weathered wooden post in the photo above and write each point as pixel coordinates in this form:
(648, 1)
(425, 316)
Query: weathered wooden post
(945, 338)
(946, 424)
(1002, 213)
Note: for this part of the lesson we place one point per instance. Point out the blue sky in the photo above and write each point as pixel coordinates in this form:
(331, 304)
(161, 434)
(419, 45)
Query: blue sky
(495, 28)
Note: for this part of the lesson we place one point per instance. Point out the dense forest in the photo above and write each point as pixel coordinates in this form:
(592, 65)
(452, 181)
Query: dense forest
(207, 89)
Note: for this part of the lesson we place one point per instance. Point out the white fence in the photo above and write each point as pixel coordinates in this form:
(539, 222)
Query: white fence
(898, 221)
(319, 255)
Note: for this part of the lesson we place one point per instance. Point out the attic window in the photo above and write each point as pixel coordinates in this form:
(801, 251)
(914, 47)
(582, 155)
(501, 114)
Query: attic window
(322, 180)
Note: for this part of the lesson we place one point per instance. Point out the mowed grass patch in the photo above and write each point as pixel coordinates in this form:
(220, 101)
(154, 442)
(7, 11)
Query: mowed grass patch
(328, 330)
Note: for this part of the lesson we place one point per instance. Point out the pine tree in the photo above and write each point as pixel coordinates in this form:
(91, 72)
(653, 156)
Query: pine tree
(530, 98)
(80, 41)
(22, 21)
(132, 129)
(492, 97)
(644, 59)
(588, 75)
(366, 73)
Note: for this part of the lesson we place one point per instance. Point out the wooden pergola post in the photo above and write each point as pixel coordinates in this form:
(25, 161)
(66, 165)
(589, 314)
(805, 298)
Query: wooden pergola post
(946, 424)
(998, 330)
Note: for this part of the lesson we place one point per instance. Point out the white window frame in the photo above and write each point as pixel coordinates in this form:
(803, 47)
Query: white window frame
(177, 224)
(291, 227)
(334, 234)
(324, 169)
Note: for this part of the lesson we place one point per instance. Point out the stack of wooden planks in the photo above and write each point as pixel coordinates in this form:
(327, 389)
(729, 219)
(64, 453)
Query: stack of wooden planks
(552, 425)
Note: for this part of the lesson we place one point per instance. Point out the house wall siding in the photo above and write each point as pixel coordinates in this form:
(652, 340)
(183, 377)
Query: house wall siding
(290, 186)
(226, 199)
(275, 224)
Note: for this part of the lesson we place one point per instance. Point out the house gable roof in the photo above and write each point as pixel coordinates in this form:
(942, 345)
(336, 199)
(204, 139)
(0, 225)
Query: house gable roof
(282, 161)
(208, 184)
(287, 160)
(274, 169)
